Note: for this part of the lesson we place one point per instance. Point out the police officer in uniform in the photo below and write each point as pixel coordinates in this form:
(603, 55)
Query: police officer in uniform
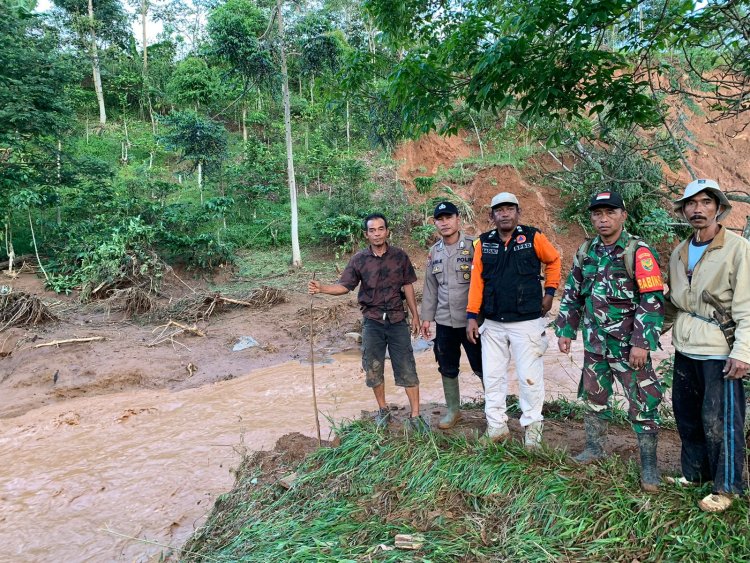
(444, 298)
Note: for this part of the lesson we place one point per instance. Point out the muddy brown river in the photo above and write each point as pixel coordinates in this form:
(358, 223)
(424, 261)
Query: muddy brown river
(124, 477)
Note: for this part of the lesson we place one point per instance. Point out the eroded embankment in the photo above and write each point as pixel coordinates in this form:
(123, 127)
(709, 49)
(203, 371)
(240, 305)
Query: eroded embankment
(460, 499)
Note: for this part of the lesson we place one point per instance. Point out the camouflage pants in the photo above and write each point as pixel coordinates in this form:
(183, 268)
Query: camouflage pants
(642, 388)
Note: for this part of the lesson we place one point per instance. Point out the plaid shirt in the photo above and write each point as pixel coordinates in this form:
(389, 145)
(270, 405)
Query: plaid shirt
(380, 279)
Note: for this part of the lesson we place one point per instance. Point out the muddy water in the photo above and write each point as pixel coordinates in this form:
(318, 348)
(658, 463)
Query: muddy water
(119, 477)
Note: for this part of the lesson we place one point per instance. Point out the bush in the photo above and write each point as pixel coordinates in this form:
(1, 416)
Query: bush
(424, 235)
(341, 230)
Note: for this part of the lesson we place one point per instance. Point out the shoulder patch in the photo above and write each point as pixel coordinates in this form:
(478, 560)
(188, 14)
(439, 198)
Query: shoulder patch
(647, 272)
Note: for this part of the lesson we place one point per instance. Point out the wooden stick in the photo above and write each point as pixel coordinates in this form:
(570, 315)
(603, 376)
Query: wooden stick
(236, 301)
(191, 329)
(69, 340)
(312, 368)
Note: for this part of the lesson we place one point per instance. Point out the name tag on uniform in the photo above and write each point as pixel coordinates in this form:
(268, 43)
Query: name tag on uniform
(490, 248)
(522, 246)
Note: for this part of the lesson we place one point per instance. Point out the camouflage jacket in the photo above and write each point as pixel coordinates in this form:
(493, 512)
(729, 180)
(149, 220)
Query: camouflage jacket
(611, 302)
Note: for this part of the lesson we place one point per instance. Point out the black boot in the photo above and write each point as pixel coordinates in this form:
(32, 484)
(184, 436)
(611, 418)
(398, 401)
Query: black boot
(649, 471)
(595, 428)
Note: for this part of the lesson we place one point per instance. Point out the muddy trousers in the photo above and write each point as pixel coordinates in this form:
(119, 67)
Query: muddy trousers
(525, 343)
(448, 342)
(396, 337)
(710, 414)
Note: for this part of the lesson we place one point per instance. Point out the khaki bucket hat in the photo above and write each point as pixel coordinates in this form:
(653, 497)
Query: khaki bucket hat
(704, 185)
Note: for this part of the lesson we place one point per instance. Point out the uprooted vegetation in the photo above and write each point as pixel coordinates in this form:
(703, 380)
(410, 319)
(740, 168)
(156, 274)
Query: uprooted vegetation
(459, 499)
(201, 306)
(19, 309)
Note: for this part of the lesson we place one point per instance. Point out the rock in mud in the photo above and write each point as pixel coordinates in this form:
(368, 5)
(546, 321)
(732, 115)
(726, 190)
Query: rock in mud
(245, 342)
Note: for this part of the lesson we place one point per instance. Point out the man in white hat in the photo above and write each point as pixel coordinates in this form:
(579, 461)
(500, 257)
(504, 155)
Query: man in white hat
(713, 265)
(506, 288)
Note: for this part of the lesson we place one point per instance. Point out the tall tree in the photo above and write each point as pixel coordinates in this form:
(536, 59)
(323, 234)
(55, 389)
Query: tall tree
(238, 30)
(95, 21)
(550, 58)
(199, 140)
(34, 107)
(296, 254)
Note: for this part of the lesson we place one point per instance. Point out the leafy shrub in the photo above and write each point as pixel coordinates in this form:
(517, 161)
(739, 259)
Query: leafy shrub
(424, 234)
(424, 184)
(341, 230)
(618, 164)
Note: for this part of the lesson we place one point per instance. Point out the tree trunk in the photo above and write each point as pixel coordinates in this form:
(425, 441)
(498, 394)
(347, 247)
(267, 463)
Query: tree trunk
(244, 122)
(348, 129)
(296, 255)
(9, 244)
(59, 181)
(96, 69)
(200, 179)
(144, 16)
(36, 250)
(476, 132)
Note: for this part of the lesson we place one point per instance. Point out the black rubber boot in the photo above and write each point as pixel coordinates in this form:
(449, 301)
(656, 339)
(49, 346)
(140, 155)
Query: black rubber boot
(453, 401)
(596, 428)
(649, 471)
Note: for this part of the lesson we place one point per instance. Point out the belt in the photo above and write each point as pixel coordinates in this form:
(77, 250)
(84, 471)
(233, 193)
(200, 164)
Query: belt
(704, 319)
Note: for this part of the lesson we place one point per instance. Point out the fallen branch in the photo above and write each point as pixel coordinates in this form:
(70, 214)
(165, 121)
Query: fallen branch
(70, 340)
(181, 328)
(236, 301)
(17, 260)
(191, 329)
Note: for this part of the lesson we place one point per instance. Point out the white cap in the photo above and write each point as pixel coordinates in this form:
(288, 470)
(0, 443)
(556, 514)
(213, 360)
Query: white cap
(503, 197)
(704, 185)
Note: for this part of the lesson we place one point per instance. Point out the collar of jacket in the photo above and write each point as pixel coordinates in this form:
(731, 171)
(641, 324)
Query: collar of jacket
(622, 241)
(461, 242)
(716, 243)
(519, 230)
(369, 249)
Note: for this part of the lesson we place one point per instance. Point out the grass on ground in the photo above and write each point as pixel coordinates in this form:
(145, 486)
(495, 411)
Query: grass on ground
(468, 501)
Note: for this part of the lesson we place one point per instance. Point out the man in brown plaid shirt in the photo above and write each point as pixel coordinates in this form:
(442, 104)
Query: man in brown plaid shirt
(382, 272)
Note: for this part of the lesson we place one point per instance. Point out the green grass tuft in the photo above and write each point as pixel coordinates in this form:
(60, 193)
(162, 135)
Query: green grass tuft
(470, 501)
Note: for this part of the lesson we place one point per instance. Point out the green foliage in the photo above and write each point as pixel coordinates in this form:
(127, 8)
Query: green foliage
(110, 20)
(659, 225)
(424, 184)
(236, 29)
(342, 230)
(193, 83)
(497, 502)
(123, 256)
(34, 76)
(351, 193)
(424, 235)
(199, 139)
(542, 55)
(618, 163)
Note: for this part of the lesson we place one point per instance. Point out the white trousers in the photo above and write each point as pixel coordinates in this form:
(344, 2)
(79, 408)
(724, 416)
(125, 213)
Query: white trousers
(526, 343)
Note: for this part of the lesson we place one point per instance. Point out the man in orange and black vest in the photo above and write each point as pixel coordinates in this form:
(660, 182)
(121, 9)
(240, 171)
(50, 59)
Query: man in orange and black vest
(506, 289)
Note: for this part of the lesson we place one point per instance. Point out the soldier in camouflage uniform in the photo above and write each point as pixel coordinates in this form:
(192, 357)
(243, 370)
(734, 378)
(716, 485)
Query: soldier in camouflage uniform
(623, 311)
